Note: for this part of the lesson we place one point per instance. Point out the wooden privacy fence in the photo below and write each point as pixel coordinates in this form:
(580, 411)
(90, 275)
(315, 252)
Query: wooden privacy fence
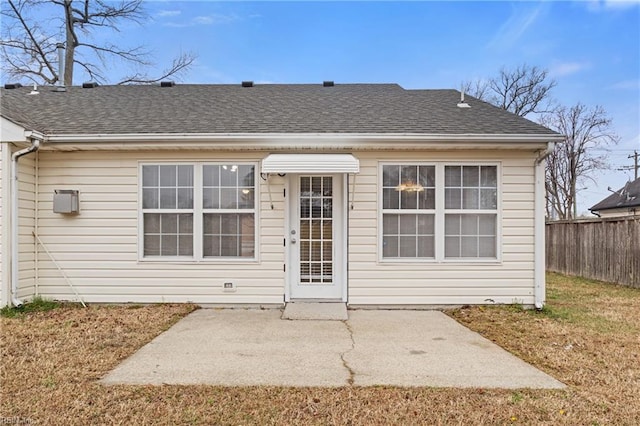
(606, 249)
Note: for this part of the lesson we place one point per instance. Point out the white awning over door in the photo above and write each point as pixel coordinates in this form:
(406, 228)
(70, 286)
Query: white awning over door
(310, 163)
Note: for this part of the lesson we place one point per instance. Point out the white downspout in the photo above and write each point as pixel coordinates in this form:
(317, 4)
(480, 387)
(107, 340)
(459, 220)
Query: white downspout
(15, 211)
(539, 227)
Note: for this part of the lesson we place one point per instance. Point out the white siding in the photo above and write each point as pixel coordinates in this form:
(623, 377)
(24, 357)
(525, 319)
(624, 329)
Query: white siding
(2, 230)
(619, 212)
(98, 248)
(27, 221)
(511, 280)
(27, 214)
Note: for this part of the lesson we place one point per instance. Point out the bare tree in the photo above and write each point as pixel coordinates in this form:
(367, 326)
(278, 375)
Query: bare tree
(522, 90)
(587, 131)
(28, 49)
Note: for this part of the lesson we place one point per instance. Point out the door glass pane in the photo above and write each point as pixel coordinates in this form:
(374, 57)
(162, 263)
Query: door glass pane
(316, 229)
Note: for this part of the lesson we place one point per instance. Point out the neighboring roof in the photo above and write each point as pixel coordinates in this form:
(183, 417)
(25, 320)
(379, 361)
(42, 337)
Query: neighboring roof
(626, 197)
(268, 108)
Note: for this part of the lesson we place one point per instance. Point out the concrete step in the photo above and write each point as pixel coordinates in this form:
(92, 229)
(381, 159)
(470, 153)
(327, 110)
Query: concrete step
(331, 311)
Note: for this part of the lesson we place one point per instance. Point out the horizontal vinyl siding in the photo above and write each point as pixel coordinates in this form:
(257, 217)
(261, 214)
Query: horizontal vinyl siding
(2, 230)
(27, 223)
(512, 280)
(98, 248)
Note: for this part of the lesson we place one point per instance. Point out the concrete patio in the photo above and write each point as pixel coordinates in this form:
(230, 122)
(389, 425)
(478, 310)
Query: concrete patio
(246, 347)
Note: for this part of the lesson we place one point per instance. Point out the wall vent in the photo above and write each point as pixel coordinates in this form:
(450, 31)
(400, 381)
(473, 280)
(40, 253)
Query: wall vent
(89, 85)
(247, 84)
(66, 201)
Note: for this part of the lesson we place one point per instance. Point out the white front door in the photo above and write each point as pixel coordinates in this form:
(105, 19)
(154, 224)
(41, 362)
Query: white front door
(317, 237)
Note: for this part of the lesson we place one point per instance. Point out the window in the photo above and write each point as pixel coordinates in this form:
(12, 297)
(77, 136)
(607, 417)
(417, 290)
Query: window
(471, 203)
(167, 205)
(228, 201)
(439, 212)
(198, 211)
(408, 202)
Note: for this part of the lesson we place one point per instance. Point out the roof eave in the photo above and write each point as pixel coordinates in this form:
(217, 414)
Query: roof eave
(363, 138)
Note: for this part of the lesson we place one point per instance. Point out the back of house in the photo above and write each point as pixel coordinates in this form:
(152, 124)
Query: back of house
(367, 194)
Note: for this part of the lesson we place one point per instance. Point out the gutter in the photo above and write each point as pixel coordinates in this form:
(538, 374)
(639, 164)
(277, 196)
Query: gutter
(380, 138)
(539, 268)
(551, 146)
(15, 211)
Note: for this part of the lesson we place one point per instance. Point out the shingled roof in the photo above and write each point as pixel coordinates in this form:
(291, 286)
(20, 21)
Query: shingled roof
(268, 108)
(626, 197)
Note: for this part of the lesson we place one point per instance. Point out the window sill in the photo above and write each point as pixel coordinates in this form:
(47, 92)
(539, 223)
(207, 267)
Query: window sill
(456, 262)
(207, 261)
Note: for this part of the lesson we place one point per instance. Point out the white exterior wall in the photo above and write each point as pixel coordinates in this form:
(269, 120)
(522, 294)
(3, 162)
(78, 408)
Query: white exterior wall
(3, 234)
(26, 227)
(98, 248)
(620, 212)
(432, 283)
(27, 214)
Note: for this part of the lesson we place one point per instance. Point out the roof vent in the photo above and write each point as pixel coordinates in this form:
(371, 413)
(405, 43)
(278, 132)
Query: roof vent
(12, 85)
(463, 103)
(89, 85)
(247, 84)
(34, 91)
(327, 84)
(167, 83)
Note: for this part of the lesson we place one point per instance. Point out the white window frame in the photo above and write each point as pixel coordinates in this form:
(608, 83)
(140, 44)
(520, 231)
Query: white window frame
(440, 211)
(198, 214)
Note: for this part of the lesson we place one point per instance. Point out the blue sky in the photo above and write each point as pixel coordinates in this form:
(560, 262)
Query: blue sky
(592, 49)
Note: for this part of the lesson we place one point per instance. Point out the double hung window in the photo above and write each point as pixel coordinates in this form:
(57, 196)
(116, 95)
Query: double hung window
(167, 205)
(439, 212)
(471, 203)
(408, 200)
(198, 211)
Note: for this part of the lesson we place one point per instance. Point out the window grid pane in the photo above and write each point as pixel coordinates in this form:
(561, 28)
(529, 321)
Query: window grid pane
(408, 235)
(471, 187)
(228, 186)
(470, 235)
(168, 234)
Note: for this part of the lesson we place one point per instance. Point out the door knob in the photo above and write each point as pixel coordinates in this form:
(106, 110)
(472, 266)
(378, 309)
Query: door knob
(293, 240)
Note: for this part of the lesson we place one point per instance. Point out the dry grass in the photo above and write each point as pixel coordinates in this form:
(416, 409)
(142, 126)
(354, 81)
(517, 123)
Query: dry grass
(587, 338)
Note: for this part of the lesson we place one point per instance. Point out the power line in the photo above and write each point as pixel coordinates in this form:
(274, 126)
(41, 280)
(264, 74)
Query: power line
(635, 167)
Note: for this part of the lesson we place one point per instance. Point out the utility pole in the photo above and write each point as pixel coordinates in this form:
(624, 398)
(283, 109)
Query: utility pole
(636, 164)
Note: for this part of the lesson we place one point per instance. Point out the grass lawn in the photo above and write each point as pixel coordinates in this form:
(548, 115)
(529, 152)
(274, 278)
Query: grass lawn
(588, 337)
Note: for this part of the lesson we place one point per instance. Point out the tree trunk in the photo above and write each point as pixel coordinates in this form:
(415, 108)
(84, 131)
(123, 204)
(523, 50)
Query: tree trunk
(70, 45)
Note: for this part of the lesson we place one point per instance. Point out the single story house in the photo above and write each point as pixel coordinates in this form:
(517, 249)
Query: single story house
(623, 202)
(245, 194)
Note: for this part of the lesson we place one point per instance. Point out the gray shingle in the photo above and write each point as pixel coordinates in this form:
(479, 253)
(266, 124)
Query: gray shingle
(272, 108)
(626, 197)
